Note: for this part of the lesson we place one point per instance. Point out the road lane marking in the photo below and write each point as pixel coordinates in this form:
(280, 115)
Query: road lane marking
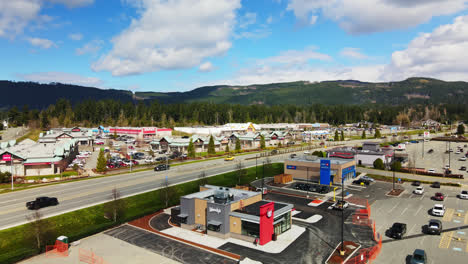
(393, 208)
(404, 210)
(422, 196)
(411, 229)
(448, 215)
(466, 247)
(445, 240)
(416, 213)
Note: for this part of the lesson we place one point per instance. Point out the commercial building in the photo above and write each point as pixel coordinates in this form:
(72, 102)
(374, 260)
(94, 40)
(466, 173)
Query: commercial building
(322, 170)
(227, 212)
(181, 143)
(366, 156)
(140, 132)
(82, 136)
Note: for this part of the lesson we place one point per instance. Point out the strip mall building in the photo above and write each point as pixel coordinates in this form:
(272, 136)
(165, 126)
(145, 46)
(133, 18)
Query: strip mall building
(322, 170)
(227, 212)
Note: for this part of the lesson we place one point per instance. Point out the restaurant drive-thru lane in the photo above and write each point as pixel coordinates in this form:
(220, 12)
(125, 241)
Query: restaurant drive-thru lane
(81, 194)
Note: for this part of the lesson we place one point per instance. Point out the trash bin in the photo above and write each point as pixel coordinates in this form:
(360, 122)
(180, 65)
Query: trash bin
(61, 247)
(63, 239)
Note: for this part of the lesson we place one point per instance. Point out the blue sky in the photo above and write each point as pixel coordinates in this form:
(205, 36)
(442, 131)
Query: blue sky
(178, 45)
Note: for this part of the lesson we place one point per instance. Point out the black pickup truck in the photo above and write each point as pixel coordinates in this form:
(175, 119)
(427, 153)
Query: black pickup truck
(41, 202)
(398, 230)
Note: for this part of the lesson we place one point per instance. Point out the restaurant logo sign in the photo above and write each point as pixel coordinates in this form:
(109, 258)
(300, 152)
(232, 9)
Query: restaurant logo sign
(216, 210)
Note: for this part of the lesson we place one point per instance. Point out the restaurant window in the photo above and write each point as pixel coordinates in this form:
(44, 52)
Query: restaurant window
(215, 228)
(250, 229)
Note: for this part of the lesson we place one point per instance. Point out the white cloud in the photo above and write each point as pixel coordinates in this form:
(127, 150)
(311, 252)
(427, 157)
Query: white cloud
(16, 15)
(269, 19)
(313, 20)
(171, 35)
(247, 20)
(353, 53)
(61, 77)
(75, 36)
(368, 16)
(206, 67)
(440, 54)
(91, 47)
(42, 43)
(72, 3)
(295, 57)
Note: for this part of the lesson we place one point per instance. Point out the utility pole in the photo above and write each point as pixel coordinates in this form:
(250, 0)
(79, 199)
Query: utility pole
(308, 182)
(256, 166)
(449, 153)
(342, 217)
(393, 163)
(263, 177)
(11, 171)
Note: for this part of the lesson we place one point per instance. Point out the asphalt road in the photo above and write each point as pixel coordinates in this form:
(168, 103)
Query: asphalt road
(81, 194)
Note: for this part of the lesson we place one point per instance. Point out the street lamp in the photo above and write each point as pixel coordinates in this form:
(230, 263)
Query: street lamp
(263, 177)
(256, 156)
(342, 216)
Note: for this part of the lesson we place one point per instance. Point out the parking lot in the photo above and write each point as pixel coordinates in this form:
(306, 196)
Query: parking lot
(414, 210)
(438, 158)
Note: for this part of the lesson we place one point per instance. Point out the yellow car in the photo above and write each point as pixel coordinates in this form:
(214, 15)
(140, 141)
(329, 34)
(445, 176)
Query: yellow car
(229, 158)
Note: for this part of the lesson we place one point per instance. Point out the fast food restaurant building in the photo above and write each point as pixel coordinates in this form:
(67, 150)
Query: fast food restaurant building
(228, 212)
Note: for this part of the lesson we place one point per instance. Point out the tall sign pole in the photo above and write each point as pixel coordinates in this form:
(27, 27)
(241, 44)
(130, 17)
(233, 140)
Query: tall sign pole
(8, 157)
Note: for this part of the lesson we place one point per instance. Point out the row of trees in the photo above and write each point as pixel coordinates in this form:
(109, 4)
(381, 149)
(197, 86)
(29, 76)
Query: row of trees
(117, 113)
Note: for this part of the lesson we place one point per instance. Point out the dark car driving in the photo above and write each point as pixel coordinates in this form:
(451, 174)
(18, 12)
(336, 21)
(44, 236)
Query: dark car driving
(360, 181)
(434, 227)
(41, 202)
(398, 230)
(161, 167)
(436, 185)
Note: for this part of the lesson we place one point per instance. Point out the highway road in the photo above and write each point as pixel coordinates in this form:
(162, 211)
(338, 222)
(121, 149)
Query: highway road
(81, 194)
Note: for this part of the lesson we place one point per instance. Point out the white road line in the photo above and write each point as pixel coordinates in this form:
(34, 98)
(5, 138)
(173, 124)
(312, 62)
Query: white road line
(422, 196)
(411, 229)
(412, 195)
(404, 210)
(417, 211)
(393, 208)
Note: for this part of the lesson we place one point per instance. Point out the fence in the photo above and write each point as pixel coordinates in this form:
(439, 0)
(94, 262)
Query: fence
(367, 255)
(60, 249)
(89, 257)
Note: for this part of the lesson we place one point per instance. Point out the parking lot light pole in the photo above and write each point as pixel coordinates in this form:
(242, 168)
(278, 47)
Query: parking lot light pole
(308, 182)
(393, 165)
(256, 156)
(263, 177)
(449, 151)
(342, 217)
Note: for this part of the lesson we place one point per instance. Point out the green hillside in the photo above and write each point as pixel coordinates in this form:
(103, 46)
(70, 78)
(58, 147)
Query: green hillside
(413, 90)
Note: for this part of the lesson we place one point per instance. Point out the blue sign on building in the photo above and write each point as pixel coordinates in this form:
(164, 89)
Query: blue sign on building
(290, 167)
(325, 168)
(349, 172)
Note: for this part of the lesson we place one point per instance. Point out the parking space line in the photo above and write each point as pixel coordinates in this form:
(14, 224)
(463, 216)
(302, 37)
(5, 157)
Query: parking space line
(448, 215)
(404, 210)
(445, 240)
(422, 196)
(466, 219)
(466, 247)
(395, 206)
(411, 229)
(417, 211)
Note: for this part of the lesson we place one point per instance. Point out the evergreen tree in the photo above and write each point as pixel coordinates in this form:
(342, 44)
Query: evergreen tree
(461, 129)
(101, 162)
(191, 149)
(378, 164)
(377, 134)
(238, 145)
(211, 146)
(262, 142)
(342, 136)
(227, 149)
(363, 134)
(336, 136)
(280, 145)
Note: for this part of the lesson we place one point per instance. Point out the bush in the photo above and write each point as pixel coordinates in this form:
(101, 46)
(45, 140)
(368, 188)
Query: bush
(5, 177)
(378, 164)
(396, 166)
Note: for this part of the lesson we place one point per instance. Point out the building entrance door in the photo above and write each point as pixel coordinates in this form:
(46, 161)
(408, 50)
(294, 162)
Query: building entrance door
(278, 228)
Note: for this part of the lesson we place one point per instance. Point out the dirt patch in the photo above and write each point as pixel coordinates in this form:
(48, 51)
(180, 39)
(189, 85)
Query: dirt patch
(395, 192)
(349, 249)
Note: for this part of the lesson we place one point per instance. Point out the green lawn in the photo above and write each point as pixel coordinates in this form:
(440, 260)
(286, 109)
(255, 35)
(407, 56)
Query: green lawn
(18, 242)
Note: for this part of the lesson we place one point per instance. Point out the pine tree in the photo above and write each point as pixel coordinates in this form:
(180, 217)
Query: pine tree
(211, 146)
(336, 136)
(363, 134)
(342, 136)
(377, 134)
(238, 145)
(227, 149)
(262, 142)
(101, 162)
(191, 149)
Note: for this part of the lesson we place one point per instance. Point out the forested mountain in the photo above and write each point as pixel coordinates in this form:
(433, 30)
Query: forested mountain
(411, 91)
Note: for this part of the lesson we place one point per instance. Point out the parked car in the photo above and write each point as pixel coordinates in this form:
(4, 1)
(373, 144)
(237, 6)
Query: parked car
(274, 152)
(323, 189)
(361, 182)
(430, 151)
(229, 158)
(463, 194)
(435, 185)
(462, 159)
(416, 183)
(419, 190)
(99, 142)
(438, 196)
(463, 168)
(340, 205)
(161, 167)
(438, 210)
(149, 159)
(40, 202)
(431, 170)
(398, 230)
(418, 257)
(434, 227)
(292, 156)
(367, 178)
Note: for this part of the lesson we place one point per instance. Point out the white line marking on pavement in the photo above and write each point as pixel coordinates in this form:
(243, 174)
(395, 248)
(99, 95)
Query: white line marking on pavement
(411, 229)
(419, 209)
(404, 210)
(393, 208)
(422, 197)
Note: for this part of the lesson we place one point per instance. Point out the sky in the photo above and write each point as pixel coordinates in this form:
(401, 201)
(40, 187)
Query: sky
(179, 45)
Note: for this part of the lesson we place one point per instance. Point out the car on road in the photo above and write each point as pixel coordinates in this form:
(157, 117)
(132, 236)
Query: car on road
(229, 158)
(274, 152)
(40, 202)
(398, 230)
(431, 170)
(435, 185)
(361, 182)
(457, 152)
(463, 168)
(149, 159)
(462, 159)
(292, 156)
(367, 178)
(161, 167)
(434, 227)
(438, 196)
(340, 205)
(430, 151)
(463, 194)
(438, 210)
(416, 183)
(419, 190)
(418, 257)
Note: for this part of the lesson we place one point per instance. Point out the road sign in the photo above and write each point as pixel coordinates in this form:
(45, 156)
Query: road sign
(427, 134)
(6, 157)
